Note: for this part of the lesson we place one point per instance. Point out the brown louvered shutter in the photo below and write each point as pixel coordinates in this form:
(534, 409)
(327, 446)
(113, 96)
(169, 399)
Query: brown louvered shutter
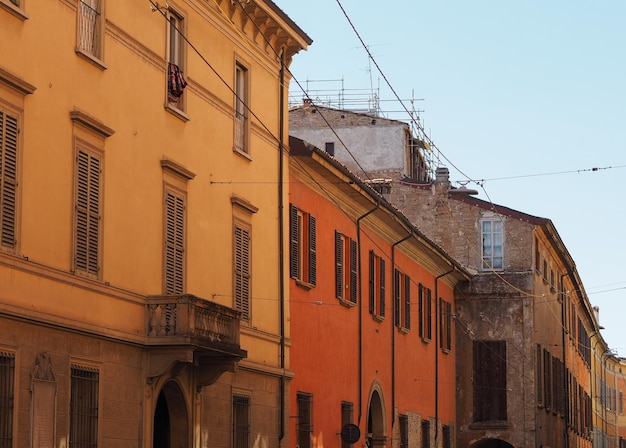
(242, 272)
(294, 246)
(174, 243)
(382, 287)
(312, 250)
(420, 304)
(372, 283)
(87, 213)
(353, 268)
(8, 178)
(407, 302)
(396, 308)
(338, 265)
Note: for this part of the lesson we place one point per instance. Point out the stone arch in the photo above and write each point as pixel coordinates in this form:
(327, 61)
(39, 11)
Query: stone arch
(492, 443)
(171, 423)
(376, 423)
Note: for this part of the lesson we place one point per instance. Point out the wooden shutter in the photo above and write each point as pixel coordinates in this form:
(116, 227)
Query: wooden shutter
(429, 314)
(312, 250)
(294, 246)
(397, 294)
(372, 283)
(87, 213)
(242, 272)
(338, 265)
(407, 302)
(382, 288)
(353, 268)
(8, 178)
(420, 303)
(174, 243)
(489, 372)
(448, 326)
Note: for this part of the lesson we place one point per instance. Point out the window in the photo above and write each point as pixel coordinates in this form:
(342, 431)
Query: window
(425, 301)
(539, 375)
(448, 434)
(176, 60)
(90, 28)
(242, 269)
(347, 416)
(241, 108)
(7, 383)
(620, 403)
(88, 212)
(174, 238)
(345, 268)
(445, 325)
(489, 373)
(9, 130)
(402, 293)
(304, 426)
(241, 421)
(492, 239)
(425, 433)
(302, 246)
(404, 431)
(377, 285)
(537, 257)
(330, 148)
(84, 407)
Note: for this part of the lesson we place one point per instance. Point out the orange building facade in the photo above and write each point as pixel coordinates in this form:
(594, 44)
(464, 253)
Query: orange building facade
(371, 316)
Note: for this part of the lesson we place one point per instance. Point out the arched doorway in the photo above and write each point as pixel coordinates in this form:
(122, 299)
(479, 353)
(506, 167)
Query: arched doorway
(493, 443)
(376, 421)
(171, 420)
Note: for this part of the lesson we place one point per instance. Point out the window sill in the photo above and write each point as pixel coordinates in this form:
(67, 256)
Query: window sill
(243, 154)
(404, 330)
(176, 112)
(347, 303)
(378, 317)
(304, 285)
(446, 351)
(12, 9)
(91, 59)
(426, 340)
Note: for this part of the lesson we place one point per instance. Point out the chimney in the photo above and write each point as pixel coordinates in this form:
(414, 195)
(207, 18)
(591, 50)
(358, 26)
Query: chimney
(442, 175)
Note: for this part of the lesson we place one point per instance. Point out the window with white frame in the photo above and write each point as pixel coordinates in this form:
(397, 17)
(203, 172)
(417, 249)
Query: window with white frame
(492, 244)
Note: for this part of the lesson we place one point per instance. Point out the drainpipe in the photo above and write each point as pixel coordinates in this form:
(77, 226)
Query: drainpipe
(360, 290)
(437, 342)
(393, 323)
(564, 340)
(281, 230)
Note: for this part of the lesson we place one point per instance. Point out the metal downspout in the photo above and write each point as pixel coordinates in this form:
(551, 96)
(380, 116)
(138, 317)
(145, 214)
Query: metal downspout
(358, 238)
(437, 342)
(281, 230)
(564, 340)
(393, 323)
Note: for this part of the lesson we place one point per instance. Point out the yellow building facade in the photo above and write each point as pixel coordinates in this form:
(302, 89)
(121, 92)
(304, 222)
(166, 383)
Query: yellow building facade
(142, 300)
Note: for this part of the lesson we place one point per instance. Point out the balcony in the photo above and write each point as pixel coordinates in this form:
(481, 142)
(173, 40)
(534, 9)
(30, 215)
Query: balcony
(184, 329)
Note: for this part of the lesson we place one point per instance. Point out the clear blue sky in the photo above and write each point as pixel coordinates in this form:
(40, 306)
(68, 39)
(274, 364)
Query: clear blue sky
(528, 96)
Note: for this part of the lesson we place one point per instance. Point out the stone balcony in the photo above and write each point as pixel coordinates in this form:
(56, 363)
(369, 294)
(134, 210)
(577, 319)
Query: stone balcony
(187, 330)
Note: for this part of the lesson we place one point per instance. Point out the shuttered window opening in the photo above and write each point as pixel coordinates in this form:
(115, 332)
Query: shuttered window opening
(404, 430)
(302, 246)
(345, 268)
(84, 407)
(490, 384)
(425, 303)
(8, 179)
(425, 433)
(347, 416)
(241, 421)
(87, 213)
(304, 427)
(445, 325)
(376, 285)
(7, 382)
(174, 242)
(402, 295)
(242, 271)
